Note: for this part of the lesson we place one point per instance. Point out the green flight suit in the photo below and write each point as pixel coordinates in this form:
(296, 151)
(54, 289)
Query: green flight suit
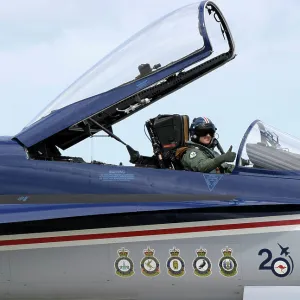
(202, 159)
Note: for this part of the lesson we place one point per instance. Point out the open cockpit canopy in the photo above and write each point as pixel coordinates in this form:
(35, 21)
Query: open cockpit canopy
(270, 149)
(163, 57)
(154, 48)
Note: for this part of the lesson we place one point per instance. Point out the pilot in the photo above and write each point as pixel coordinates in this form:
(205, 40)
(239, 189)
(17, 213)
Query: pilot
(200, 155)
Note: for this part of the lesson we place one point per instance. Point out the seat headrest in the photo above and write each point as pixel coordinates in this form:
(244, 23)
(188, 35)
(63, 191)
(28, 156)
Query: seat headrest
(186, 127)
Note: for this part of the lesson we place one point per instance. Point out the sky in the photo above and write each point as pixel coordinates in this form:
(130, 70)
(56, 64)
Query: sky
(46, 45)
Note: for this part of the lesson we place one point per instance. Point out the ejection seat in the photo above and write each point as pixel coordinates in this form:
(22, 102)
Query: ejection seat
(169, 135)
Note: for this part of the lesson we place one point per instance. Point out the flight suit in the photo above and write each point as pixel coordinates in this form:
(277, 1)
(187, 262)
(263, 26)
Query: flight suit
(201, 159)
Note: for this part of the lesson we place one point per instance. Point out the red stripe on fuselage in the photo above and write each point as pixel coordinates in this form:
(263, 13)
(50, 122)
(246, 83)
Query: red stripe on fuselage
(126, 234)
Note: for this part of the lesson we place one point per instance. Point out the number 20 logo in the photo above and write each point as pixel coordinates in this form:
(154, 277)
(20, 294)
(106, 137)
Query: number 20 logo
(279, 266)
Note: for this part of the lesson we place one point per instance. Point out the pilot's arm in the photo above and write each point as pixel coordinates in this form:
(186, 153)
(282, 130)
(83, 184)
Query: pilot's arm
(196, 160)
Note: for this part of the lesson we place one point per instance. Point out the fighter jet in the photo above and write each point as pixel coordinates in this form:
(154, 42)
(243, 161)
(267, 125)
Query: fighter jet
(76, 229)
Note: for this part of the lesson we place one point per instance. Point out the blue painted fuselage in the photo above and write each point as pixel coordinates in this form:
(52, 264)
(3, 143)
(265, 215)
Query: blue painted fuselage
(21, 179)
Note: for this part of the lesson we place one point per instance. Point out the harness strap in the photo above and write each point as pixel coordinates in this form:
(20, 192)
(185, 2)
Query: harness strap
(180, 152)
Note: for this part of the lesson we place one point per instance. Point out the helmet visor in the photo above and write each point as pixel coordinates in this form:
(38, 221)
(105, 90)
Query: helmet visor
(204, 132)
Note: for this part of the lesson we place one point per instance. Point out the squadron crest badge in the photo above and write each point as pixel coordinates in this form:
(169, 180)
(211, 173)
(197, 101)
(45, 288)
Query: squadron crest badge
(150, 264)
(193, 154)
(227, 264)
(123, 264)
(202, 264)
(175, 264)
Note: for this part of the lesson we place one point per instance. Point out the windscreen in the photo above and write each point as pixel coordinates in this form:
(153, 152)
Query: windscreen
(268, 148)
(163, 42)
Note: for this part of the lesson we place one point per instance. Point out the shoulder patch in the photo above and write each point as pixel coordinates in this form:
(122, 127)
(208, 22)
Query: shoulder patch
(193, 154)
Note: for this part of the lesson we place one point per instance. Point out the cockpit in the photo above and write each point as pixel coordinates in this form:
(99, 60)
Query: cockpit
(262, 146)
